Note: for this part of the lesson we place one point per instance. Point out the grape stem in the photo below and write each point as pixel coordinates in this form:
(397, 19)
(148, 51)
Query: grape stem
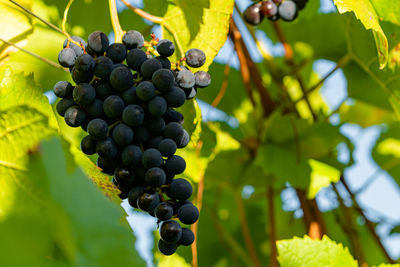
(224, 85)
(63, 26)
(115, 21)
(48, 61)
(157, 20)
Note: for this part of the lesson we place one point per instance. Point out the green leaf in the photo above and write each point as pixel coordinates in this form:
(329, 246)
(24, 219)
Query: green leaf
(322, 175)
(199, 24)
(387, 10)
(365, 12)
(305, 252)
(386, 265)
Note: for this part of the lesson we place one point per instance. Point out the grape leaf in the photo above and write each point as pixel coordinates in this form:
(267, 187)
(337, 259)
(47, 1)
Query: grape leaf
(199, 24)
(305, 252)
(322, 175)
(365, 12)
(386, 265)
(387, 10)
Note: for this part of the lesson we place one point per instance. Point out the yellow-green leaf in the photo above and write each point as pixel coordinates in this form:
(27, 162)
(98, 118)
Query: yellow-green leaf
(365, 12)
(322, 175)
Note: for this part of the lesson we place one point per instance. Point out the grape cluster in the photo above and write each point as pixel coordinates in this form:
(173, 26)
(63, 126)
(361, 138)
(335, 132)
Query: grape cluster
(286, 10)
(128, 112)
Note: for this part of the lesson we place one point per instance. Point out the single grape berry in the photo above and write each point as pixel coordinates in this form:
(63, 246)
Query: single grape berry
(63, 105)
(165, 48)
(113, 106)
(121, 78)
(155, 177)
(122, 135)
(67, 57)
(81, 77)
(103, 89)
(166, 248)
(173, 116)
(269, 8)
(103, 67)
(63, 89)
(133, 115)
(202, 79)
(135, 58)
(253, 15)
(149, 67)
(195, 58)
(186, 79)
(165, 63)
(107, 166)
(84, 94)
(95, 109)
(167, 147)
(77, 48)
(184, 141)
(175, 164)
(85, 63)
(187, 237)
(124, 176)
(180, 189)
(107, 148)
(163, 79)
(98, 129)
(116, 52)
(145, 91)
(288, 10)
(74, 116)
(88, 145)
(148, 201)
(151, 158)
(164, 211)
(98, 42)
(188, 214)
(131, 155)
(130, 97)
(170, 231)
(174, 131)
(175, 97)
(134, 194)
(157, 106)
(133, 39)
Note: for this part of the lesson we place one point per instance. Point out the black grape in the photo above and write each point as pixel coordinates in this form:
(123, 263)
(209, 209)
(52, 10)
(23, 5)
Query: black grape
(131, 155)
(124, 176)
(129, 96)
(191, 93)
(167, 147)
(107, 148)
(85, 63)
(145, 91)
(98, 42)
(133, 39)
(81, 77)
(164, 211)
(135, 58)
(252, 14)
(103, 67)
(170, 231)
(151, 158)
(113, 106)
(184, 141)
(202, 79)
(185, 79)
(173, 116)
(63, 105)
(175, 164)
(188, 214)
(141, 134)
(95, 109)
(107, 166)
(174, 131)
(67, 57)
(116, 52)
(187, 237)
(195, 58)
(98, 129)
(166, 248)
(74, 116)
(63, 89)
(149, 67)
(155, 177)
(163, 79)
(165, 48)
(155, 124)
(134, 194)
(121, 78)
(122, 135)
(180, 189)
(157, 106)
(148, 201)
(175, 97)
(165, 63)
(133, 115)
(88, 145)
(288, 10)
(153, 142)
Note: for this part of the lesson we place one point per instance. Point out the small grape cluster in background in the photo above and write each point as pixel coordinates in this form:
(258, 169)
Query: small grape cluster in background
(286, 10)
(128, 112)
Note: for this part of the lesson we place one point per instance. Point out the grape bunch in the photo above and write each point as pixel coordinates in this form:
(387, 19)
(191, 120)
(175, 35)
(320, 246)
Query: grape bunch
(124, 98)
(286, 10)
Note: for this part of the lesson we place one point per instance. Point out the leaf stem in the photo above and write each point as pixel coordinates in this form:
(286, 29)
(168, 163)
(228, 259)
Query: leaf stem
(158, 20)
(48, 61)
(118, 32)
(223, 88)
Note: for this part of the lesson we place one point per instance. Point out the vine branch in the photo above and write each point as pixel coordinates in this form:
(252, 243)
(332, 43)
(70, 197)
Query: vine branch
(115, 21)
(272, 227)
